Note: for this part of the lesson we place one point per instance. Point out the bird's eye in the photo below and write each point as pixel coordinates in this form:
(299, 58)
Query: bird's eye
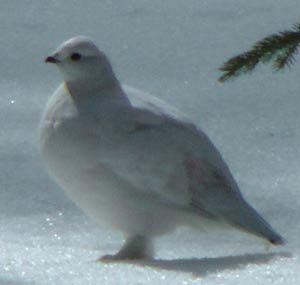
(75, 56)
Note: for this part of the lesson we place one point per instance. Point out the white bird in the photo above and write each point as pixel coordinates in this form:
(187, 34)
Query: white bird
(130, 161)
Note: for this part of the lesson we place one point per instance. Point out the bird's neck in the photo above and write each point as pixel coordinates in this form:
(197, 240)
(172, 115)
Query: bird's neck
(90, 94)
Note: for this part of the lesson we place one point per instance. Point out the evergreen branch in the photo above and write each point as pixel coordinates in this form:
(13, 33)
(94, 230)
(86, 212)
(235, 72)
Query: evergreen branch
(279, 48)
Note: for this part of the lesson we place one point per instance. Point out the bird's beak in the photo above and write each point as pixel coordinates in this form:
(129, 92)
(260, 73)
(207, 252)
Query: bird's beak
(51, 59)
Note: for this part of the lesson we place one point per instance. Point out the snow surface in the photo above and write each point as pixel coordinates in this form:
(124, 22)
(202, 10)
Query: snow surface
(171, 48)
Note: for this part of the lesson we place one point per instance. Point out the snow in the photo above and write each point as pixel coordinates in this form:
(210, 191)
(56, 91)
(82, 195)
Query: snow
(171, 48)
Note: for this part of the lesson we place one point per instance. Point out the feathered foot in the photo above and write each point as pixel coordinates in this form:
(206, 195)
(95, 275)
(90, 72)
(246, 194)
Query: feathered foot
(136, 247)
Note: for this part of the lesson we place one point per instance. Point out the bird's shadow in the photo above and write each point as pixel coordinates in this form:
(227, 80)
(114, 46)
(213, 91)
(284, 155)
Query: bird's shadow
(205, 266)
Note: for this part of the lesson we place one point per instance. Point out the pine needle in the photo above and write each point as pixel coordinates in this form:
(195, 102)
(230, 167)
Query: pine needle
(279, 49)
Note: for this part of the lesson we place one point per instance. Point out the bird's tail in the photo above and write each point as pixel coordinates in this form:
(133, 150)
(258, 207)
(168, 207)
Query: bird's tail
(249, 220)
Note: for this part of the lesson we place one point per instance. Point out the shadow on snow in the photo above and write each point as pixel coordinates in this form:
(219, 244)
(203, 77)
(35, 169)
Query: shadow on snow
(205, 266)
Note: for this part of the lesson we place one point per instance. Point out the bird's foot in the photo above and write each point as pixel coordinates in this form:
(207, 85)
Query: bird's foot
(121, 257)
(135, 248)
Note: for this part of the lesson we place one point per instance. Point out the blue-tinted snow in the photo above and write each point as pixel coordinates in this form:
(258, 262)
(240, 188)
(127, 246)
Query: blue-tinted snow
(170, 48)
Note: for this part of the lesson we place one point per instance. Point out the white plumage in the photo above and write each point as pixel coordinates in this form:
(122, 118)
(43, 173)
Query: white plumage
(130, 161)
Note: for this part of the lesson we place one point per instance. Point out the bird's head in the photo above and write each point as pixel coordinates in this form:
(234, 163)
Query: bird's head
(79, 59)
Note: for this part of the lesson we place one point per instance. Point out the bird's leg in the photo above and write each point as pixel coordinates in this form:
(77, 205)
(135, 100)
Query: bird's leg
(135, 247)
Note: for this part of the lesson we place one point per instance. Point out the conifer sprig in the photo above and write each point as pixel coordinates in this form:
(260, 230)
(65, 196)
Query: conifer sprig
(279, 48)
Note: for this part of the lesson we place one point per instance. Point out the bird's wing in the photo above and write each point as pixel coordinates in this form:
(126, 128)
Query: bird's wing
(145, 101)
(202, 163)
(210, 186)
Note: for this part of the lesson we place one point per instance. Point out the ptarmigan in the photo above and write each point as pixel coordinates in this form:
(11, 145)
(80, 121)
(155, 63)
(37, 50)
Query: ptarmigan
(130, 161)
